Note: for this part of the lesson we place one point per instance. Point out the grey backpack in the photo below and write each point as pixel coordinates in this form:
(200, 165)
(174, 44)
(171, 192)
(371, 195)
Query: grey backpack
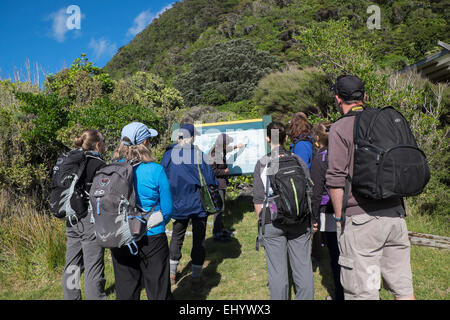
(118, 221)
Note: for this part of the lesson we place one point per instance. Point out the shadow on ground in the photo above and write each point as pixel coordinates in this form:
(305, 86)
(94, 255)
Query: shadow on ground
(235, 209)
(216, 253)
(321, 261)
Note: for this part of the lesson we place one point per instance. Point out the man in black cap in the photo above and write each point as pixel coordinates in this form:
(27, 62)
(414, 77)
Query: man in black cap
(349, 93)
(373, 238)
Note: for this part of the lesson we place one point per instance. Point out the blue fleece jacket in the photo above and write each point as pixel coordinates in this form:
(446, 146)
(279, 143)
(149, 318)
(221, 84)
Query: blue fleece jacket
(152, 188)
(180, 165)
(304, 150)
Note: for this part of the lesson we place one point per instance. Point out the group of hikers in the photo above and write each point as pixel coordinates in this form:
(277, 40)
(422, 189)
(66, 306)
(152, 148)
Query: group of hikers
(306, 191)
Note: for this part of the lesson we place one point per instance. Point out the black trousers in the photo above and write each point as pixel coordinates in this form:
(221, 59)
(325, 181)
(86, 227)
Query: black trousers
(218, 217)
(330, 240)
(198, 251)
(151, 265)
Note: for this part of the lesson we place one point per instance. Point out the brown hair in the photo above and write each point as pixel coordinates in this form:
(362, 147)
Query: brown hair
(298, 126)
(88, 140)
(280, 130)
(139, 153)
(320, 133)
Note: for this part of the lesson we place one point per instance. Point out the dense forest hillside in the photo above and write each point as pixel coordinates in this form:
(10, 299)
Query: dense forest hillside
(160, 47)
(409, 29)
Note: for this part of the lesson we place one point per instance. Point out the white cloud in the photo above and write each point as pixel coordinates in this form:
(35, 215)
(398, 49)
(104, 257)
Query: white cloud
(144, 19)
(102, 48)
(164, 9)
(59, 24)
(59, 27)
(140, 22)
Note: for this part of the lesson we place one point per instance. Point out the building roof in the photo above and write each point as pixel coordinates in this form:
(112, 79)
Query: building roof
(435, 67)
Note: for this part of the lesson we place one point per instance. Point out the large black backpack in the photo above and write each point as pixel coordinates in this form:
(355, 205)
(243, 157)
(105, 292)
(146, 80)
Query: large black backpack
(292, 188)
(68, 199)
(387, 161)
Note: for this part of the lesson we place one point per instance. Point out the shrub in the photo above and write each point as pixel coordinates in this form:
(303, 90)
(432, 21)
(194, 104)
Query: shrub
(150, 92)
(205, 114)
(48, 113)
(281, 94)
(242, 110)
(82, 83)
(114, 117)
(29, 145)
(224, 72)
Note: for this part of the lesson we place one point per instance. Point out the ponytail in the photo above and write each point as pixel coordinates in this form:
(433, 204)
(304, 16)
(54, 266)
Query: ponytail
(320, 133)
(140, 152)
(88, 140)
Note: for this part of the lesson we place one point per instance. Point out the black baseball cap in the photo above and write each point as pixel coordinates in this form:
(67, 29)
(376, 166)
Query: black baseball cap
(349, 87)
(188, 130)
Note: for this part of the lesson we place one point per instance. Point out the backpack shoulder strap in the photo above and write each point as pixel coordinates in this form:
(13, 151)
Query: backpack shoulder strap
(200, 174)
(94, 156)
(323, 154)
(296, 141)
(348, 179)
(302, 164)
(262, 220)
(354, 112)
(82, 166)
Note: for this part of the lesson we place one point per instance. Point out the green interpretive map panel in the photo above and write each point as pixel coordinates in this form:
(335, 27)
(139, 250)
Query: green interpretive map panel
(252, 133)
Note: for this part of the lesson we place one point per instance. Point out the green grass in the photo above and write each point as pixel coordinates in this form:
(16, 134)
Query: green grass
(235, 270)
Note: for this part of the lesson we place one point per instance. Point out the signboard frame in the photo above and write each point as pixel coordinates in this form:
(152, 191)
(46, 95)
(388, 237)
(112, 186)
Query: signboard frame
(223, 126)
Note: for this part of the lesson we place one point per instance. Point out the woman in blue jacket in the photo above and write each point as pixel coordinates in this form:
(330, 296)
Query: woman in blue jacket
(152, 191)
(300, 134)
(180, 162)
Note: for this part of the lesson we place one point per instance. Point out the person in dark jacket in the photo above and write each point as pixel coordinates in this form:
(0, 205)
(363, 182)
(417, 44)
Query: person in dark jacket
(180, 162)
(321, 204)
(218, 161)
(83, 253)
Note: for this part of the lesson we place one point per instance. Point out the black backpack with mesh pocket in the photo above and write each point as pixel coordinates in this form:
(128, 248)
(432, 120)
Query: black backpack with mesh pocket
(291, 195)
(68, 199)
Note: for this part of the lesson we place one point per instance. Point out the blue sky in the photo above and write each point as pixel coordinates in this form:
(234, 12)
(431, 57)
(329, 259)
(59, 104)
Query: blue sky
(46, 34)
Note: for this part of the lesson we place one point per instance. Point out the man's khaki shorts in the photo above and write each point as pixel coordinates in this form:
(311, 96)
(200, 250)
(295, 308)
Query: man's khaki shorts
(372, 246)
